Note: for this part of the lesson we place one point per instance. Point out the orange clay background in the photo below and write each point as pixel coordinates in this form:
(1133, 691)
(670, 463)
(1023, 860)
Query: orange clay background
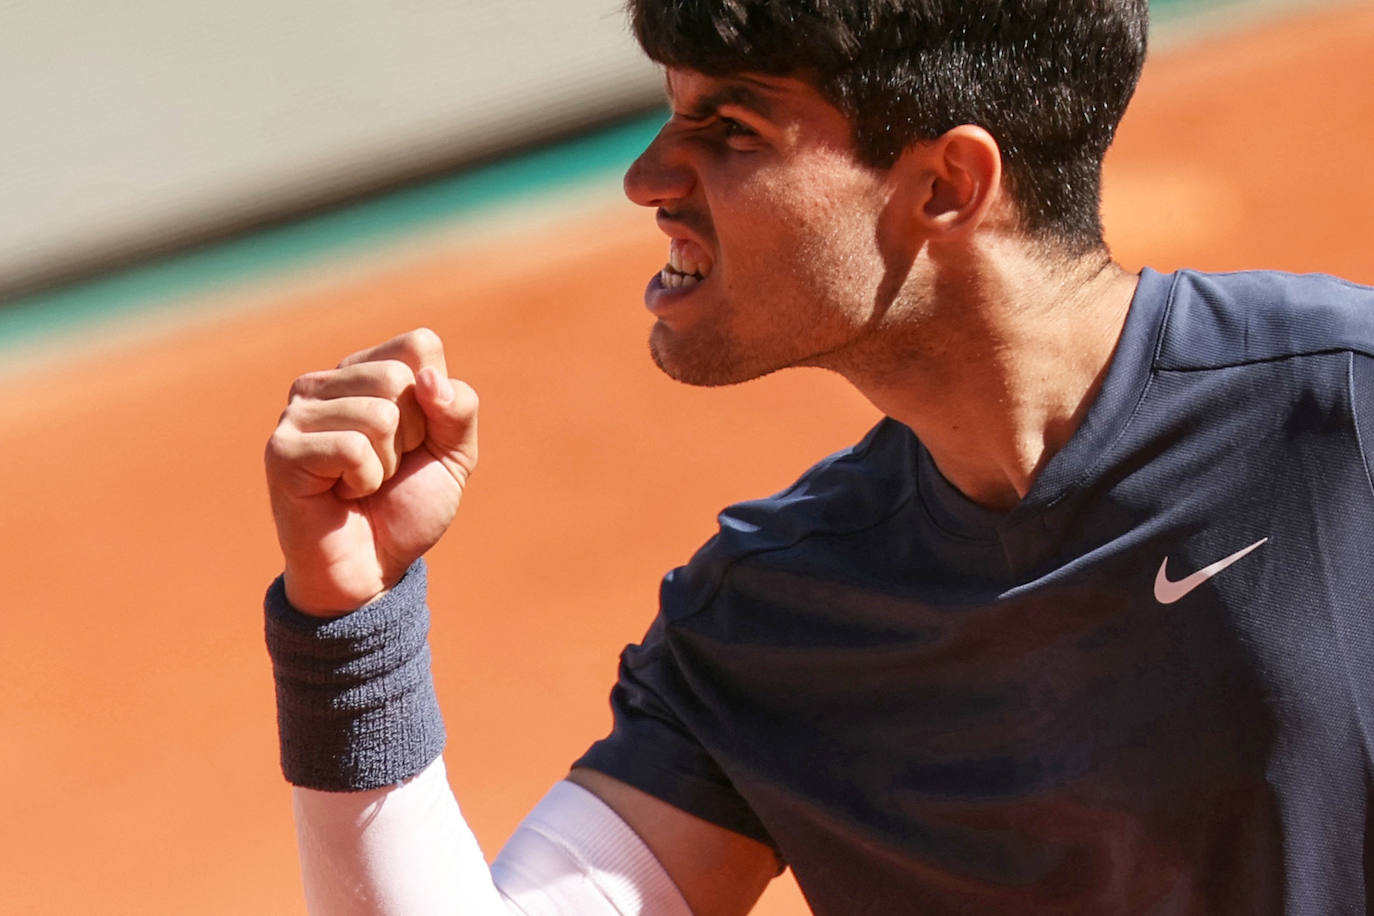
(137, 740)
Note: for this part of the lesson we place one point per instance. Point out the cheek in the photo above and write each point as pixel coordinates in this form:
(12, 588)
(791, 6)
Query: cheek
(811, 224)
(837, 248)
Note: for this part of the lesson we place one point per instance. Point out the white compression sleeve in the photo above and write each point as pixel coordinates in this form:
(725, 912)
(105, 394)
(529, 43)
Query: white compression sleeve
(405, 850)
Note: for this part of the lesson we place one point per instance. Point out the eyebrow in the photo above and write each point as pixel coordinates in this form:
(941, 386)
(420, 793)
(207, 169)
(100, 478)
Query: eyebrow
(735, 94)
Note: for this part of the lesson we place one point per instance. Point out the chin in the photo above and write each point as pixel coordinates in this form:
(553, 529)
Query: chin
(706, 361)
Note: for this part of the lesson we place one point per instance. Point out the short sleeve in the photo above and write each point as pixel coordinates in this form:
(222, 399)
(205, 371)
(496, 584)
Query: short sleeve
(650, 748)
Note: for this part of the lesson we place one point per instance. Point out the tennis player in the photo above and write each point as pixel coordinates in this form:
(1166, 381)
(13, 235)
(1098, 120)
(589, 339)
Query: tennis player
(1083, 626)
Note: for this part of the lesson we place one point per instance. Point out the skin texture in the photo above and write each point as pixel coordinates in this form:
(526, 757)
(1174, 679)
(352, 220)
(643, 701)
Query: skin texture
(786, 216)
(366, 469)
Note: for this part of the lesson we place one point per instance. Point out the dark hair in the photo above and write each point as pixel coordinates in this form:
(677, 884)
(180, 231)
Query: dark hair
(1049, 79)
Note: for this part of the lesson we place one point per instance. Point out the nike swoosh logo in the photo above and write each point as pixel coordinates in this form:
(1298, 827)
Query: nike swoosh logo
(1167, 592)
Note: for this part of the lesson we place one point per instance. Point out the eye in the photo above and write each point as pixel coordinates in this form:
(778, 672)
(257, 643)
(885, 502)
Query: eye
(732, 128)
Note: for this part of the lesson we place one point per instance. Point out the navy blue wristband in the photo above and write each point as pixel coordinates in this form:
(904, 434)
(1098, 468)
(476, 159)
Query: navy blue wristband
(356, 707)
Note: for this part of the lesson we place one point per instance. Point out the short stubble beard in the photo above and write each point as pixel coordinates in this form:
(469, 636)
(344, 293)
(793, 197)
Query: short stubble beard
(706, 360)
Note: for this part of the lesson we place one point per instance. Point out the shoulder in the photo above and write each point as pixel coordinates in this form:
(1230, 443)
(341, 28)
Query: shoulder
(848, 491)
(1229, 319)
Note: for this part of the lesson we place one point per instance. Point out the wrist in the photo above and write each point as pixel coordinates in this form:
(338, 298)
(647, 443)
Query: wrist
(328, 599)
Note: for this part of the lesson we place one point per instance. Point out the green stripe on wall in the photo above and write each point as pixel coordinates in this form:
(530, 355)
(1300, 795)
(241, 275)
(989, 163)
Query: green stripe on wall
(398, 214)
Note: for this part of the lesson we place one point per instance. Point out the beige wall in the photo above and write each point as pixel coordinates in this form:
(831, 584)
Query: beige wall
(130, 124)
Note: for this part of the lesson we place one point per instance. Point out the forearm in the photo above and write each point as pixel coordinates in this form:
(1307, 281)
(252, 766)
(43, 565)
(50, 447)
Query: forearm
(406, 850)
(402, 850)
(379, 831)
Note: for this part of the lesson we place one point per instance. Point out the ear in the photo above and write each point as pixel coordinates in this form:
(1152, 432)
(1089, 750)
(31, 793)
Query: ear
(960, 180)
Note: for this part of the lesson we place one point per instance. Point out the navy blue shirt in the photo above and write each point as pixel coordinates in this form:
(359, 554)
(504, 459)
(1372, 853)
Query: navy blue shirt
(1148, 688)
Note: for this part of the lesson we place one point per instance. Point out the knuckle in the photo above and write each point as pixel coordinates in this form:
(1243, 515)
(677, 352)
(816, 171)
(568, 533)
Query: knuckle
(294, 411)
(303, 386)
(299, 415)
(273, 453)
(426, 342)
(423, 346)
(395, 376)
(383, 415)
(355, 447)
(282, 446)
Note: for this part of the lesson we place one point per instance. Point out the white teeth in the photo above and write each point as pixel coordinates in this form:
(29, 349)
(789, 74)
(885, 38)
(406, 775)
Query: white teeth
(683, 260)
(671, 279)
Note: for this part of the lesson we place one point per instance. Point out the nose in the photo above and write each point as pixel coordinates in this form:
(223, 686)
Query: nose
(660, 175)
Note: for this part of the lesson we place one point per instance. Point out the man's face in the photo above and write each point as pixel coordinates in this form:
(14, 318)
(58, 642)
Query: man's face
(780, 249)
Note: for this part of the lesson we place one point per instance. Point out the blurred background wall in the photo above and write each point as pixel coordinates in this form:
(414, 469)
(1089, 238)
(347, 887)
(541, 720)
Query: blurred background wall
(136, 127)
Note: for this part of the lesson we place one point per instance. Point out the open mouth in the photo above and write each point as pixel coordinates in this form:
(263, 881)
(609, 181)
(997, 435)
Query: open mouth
(687, 265)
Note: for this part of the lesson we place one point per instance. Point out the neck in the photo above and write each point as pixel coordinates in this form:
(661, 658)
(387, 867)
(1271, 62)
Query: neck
(997, 370)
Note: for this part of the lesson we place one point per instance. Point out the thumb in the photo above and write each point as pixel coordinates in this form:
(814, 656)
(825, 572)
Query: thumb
(450, 409)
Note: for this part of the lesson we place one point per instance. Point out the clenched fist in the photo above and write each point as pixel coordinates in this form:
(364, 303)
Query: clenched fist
(366, 468)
